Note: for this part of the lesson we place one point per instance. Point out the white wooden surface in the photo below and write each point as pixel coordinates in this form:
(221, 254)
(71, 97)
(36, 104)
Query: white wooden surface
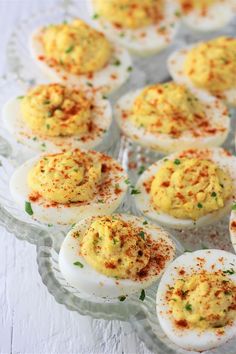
(30, 320)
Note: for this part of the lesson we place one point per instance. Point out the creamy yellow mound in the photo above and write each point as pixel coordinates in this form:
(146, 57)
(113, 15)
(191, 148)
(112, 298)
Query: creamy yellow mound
(130, 13)
(76, 47)
(166, 108)
(190, 188)
(113, 247)
(204, 300)
(189, 5)
(212, 65)
(66, 177)
(55, 110)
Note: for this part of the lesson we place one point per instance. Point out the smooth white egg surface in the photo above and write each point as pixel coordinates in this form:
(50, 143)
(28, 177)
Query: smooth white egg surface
(146, 40)
(88, 280)
(30, 143)
(176, 69)
(210, 17)
(143, 199)
(232, 226)
(106, 80)
(189, 264)
(109, 193)
(212, 132)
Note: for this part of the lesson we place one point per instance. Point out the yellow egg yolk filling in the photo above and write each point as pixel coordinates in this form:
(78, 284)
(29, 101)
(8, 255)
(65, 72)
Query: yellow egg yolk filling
(212, 65)
(114, 248)
(189, 5)
(65, 177)
(204, 301)
(130, 13)
(167, 109)
(55, 110)
(76, 47)
(190, 188)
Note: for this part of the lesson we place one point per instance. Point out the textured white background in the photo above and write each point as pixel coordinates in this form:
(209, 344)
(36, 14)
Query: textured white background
(30, 320)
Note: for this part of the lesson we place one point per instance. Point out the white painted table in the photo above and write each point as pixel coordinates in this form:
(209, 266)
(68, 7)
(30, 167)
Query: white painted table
(30, 320)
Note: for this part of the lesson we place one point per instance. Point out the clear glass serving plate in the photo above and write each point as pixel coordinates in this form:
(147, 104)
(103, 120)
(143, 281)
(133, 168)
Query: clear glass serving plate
(141, 314)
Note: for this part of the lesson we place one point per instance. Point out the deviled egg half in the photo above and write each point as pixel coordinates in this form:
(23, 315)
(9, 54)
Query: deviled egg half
(66, 187)
(209, 66)
(167, 117)
(188, 189)
(114, 256)
(53, 117)
(142, 26)
(232, 226)
(75, 53)
(196, 300)
(207, 15)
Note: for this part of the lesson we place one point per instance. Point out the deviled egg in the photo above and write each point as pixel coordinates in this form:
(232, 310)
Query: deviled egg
(66, 187)
(207, 15)
(142, 26)
(188, 189)
(75, 53)
(232, 226)
(164, 117)
(114, 256)
(209, 66)
(53, 117)
(196, 300)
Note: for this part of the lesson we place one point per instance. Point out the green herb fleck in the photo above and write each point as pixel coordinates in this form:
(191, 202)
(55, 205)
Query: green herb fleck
(100, 201)
(89, 84)
(213, 194)
(46, 102)
(142, 235)
(122, 298)
(200, 206)
(234, 207)
(20, 97)
(129, 68)
(142, 295)
(201, 318)
(145, 222)
(227, 292)
(95, 16)
(127, 181)
(135, 192)
(48, 126)
(188, 307)
(69, 50)
(117, 62)
(229, 271)
(28, 208)
(177, 162)
(141, 170)
(78, 264)
(104, 97)
(50, 225)
(34, 138)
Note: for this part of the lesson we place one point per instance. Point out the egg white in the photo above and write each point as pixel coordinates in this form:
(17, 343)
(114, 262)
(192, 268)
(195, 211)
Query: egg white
(144, 204)
(93, 283)
(23, 139)
(191, 339)
(232, 228)
(146, 40)
(176, 69)
(63, 214)
(107, 80)
(165, 143)
(216, 17)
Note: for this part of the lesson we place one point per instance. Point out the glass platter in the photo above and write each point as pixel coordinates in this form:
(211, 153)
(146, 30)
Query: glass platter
(142, 315)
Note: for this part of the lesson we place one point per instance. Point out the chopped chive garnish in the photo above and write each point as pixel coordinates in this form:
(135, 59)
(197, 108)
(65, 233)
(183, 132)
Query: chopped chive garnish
(28, 208)
(69, 50)
(78, 264)
(142, 295)
(122, 298)
(142, 235)
(141, 170)
(188, 307)
(199, 206)
(135, 191)
(229, 271)
(177, 162)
